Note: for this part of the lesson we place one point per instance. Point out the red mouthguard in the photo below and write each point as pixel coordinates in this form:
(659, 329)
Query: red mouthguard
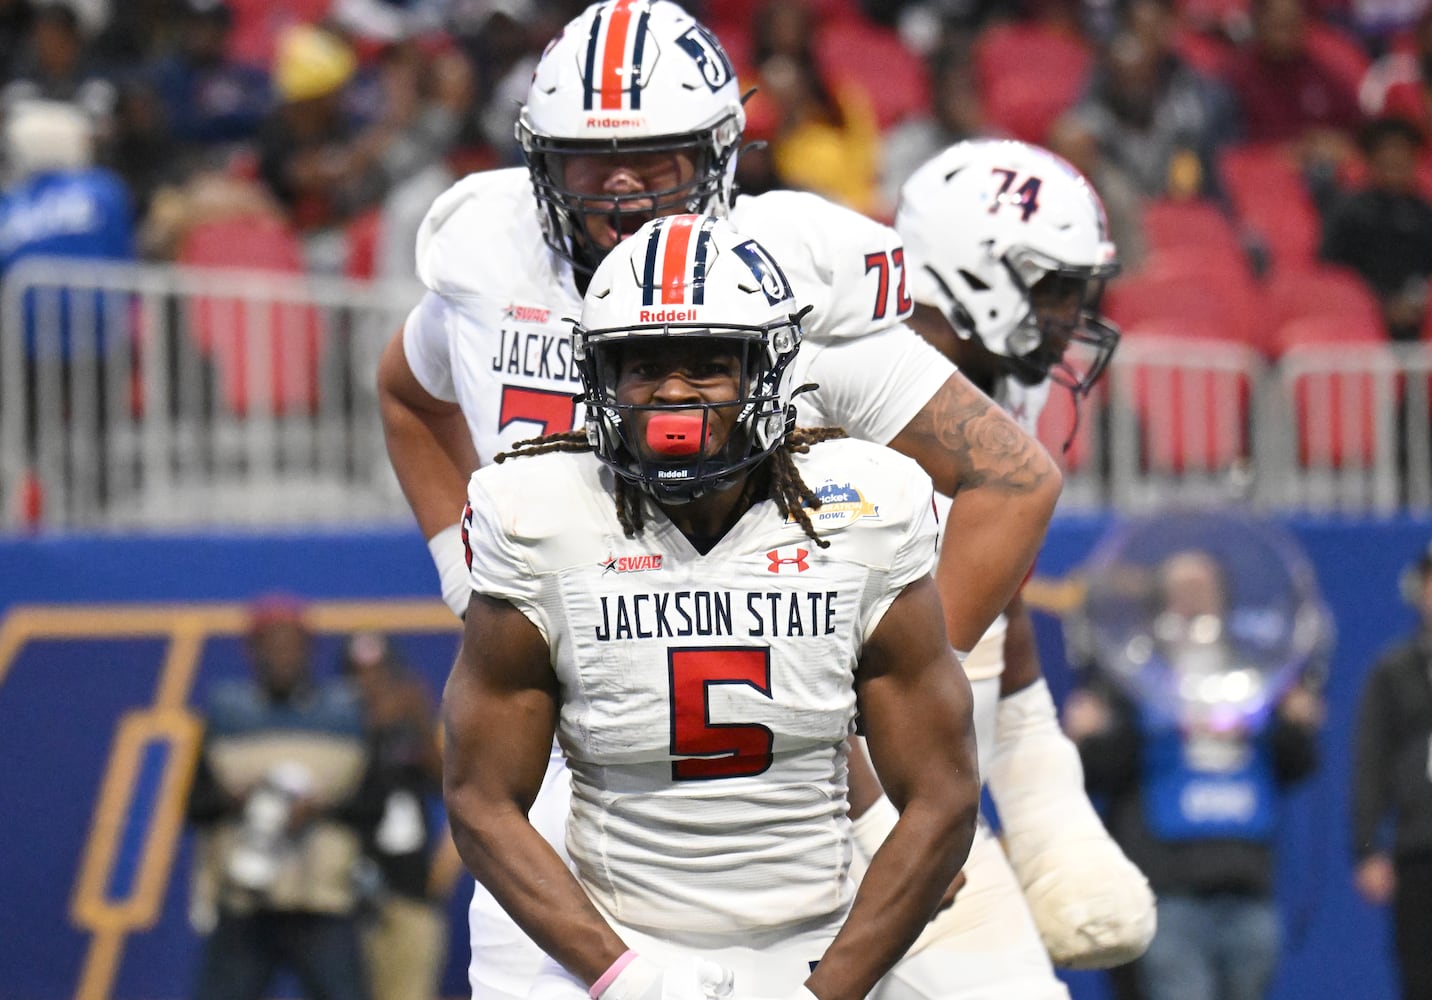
(675, 434)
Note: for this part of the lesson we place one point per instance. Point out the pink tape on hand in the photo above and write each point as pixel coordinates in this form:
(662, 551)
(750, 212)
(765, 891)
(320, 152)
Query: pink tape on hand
(608, 977)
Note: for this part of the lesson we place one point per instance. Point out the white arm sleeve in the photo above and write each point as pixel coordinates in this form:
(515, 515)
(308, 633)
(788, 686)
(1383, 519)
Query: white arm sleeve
(425, 346)
(872, 386)
(450, 558)
(871, 827)
(1093, 907)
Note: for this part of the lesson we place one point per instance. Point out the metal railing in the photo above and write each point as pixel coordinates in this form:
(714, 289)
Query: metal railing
(1349, 428)
(159, 397)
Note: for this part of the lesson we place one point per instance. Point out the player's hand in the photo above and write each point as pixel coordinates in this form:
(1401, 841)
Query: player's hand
(948, 899)
(685, 979)
(1303, 708)
(1375, 878)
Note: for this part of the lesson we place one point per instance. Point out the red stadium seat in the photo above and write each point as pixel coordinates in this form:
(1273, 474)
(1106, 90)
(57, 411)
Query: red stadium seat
(1208, 52)
(1030, 51)
(363, 235)
(1336, 409)
(1190, 420)
(1026, 107)
(1028, 75)
(1195, 225)
(1342, 55)
(1213, 14)
(1216, 300)
(222, 324)
(1269, 198)
(1325, 292)
(874, 59)
(1315, 328)
(1058, 420)
(257, 24)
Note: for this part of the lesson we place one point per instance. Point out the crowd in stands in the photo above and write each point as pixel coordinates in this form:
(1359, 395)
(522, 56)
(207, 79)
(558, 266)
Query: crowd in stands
(1248, 145)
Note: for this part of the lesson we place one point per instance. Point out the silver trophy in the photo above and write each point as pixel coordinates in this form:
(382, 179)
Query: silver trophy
(1204, 619)
(265, 841)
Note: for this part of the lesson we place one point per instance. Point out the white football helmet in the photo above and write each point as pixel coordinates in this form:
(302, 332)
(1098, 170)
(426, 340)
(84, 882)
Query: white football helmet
(689, 277)
(994, 229)
(630, 76)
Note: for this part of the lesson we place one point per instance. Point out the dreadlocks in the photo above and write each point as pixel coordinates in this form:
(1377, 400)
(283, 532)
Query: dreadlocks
(784, 485)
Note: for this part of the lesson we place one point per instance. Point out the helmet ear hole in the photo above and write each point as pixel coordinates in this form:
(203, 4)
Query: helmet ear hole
(974, 281)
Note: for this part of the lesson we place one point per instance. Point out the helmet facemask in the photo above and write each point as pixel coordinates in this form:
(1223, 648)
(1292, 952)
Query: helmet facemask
(566, 210)
(683, 472)
(1062, 335)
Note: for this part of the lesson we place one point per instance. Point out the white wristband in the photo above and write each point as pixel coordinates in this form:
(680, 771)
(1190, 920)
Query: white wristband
(874, 825)
(450, 557)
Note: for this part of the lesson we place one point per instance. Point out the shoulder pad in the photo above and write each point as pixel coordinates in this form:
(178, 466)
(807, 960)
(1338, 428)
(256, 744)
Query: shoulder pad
(849, 269)
(483, 210)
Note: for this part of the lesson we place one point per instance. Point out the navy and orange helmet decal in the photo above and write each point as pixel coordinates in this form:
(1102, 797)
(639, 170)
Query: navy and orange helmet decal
(615, 49)
(678, 252)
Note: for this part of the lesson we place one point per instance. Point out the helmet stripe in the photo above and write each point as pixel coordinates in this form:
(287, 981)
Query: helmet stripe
(589, 85)
(673, 264)
(698, 267)
(614, 58)
(648, 271)
(637, 46)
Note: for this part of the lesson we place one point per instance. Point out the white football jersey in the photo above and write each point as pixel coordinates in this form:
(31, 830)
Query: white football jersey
(1023, 402)
(705, 699)
(494, 333)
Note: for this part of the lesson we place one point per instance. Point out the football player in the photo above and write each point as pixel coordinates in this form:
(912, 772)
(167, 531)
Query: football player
(1008, 252)
(682, 595)
(634, 112)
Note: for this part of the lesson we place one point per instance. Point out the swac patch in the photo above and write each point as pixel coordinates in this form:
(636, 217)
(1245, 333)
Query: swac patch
(526, 314)
(631, 564)
(703, 47)
(765, 270)
(840, 504)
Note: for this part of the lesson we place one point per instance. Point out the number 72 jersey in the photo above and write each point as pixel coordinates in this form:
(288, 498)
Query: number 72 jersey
(494, 332)
(705, 699)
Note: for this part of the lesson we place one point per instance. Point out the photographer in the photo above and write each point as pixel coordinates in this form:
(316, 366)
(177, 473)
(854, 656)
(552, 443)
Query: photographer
(282, 796)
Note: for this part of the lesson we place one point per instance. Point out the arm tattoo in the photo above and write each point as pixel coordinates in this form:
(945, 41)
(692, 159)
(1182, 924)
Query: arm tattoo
(987, 447)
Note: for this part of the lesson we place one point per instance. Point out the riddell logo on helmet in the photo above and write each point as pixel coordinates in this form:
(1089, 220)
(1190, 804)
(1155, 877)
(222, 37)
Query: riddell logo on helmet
(667, 315)
(614, 121)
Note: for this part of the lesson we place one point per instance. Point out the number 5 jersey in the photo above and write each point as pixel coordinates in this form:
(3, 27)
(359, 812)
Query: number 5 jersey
(705, 699)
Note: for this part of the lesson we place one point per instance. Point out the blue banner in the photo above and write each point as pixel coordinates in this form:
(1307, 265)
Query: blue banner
(108, 643)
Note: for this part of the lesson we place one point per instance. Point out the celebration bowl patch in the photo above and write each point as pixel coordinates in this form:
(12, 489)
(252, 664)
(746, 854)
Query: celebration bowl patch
(840, 505)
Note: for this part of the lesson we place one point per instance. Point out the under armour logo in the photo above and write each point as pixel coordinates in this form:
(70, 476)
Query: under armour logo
(779, 562)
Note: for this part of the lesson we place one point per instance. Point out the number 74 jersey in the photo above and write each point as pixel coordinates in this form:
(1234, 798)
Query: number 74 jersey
(494, 332)
(705, 699)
